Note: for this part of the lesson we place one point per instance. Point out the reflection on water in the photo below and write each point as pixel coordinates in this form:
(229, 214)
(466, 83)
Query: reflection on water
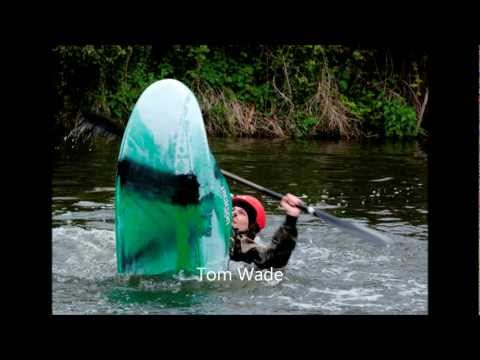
(379, 185)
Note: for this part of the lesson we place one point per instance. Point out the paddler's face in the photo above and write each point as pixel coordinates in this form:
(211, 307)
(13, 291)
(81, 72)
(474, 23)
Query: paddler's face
(240, 219)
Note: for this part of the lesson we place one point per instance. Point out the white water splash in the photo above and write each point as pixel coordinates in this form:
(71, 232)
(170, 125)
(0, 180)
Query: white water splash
(382, 179)
(81, 253)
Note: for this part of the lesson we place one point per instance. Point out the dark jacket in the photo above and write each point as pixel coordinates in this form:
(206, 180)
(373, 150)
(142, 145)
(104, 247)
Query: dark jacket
(275, 255)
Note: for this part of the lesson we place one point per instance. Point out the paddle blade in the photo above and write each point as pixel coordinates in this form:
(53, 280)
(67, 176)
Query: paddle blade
(357, 230)
(91, 124)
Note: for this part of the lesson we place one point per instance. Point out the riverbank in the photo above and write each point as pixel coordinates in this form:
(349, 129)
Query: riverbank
(253, 91)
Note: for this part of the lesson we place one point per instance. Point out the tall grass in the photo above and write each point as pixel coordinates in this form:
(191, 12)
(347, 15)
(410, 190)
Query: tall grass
(227, 116)
(322, 113)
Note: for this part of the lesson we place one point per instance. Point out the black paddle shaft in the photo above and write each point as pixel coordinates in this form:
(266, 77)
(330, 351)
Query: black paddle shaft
(266, 191)
(354, 229)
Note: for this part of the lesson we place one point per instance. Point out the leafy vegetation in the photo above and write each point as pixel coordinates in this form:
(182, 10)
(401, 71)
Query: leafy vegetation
(254, 91)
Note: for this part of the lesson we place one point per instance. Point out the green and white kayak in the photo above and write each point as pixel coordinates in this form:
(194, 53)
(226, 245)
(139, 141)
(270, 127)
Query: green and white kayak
(172, 204)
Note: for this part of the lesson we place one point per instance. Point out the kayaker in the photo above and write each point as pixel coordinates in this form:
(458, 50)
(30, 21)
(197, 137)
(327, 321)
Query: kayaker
(249, 219)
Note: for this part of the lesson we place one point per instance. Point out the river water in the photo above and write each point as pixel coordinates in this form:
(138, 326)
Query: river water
(380, 185)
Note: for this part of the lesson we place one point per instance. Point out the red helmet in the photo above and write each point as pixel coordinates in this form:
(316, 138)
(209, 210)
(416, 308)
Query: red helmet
(254, 203)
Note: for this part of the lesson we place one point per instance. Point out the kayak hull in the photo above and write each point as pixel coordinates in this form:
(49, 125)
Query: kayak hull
(172, 204)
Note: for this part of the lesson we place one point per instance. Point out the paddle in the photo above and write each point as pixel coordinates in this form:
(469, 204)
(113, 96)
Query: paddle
(357, 230)
(103, 124)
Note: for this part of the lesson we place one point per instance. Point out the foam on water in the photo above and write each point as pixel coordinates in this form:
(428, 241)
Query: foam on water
(81, 253)
(97, 214)
(101, 189)
(322, 278)
(93, 204)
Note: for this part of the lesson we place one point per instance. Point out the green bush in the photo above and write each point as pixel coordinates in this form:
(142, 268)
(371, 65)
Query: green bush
(279, 81)
(400, 119)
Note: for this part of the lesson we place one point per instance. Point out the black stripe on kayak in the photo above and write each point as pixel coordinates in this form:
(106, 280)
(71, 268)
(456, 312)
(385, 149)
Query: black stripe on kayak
(176, 189)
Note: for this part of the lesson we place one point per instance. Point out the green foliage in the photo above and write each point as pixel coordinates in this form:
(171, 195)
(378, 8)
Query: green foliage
(108, 79)
(391, 117)
(279, 81)
(400, 119)
(304, 124)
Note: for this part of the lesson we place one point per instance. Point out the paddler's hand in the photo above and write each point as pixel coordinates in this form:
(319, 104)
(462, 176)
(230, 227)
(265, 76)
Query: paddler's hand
(289, 202)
